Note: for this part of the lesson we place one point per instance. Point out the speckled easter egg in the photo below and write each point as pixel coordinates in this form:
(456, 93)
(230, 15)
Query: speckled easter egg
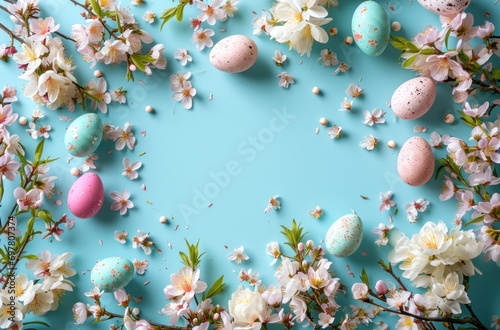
(112, 273)
(234, 54)
(344, 236)
(371, 28)
(84, 135)
(86, 196)
(448, 8)
(413, 98)
(415, 161)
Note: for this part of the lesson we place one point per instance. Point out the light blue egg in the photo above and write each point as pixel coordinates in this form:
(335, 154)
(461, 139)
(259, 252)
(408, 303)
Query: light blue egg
(112, 273)
(84, 135)
(371, 28)
(344, 236)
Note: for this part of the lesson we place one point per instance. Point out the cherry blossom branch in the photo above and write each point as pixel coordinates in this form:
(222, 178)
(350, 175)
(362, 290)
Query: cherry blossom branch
(9, 32)
(157, 326)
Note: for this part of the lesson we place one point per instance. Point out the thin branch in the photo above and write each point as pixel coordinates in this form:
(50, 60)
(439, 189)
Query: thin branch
(9, 32)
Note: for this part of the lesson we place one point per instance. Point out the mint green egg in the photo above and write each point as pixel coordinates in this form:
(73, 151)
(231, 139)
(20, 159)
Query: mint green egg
(112, 273)
(84, 135)
(344, 236)
(371, 28)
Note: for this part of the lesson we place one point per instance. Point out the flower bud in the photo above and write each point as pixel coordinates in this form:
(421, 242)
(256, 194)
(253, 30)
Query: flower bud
(136, 311)
(300, 247)
(216, 316)
(381, 287)
(305, 264)
(310, 244)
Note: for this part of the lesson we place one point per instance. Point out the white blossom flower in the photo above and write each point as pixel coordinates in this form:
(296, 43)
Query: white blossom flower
(248, 308)
(359, 291)
(452, 293)
(113, 52)
(8, 167)
(140, 266)
(121, 236)
(185, 94)
(369, 142)
(285, 79)
(7, 117)
(210, 13)
(121, 201)
(273, 249)
(88, 163)
(261, 24)
(40, 131)
(182, 55)
(354, 90)
(237, 255)
(328, 58)
(398, 299)
(382, 231)
(143, 241)
(80, 311)
(100, 97)
(316, 213)
(495, 322)
(123, 137)
(386, 201)
(279, 58)
(149, 16)
(26, 200)
(201, 38)
(274, 203)
(118, 95)
(375, 117)
(130, 169)
(230, 7)
(334, 132)
(185, 283)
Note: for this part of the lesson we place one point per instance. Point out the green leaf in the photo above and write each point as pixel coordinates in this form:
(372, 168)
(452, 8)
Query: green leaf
(384, 266)
(495, 73)
(193, 257)
(446, 38)
(409, 61)
(167, 15)
(179, 12)
(463, 57)
(216, 288)
(438, 172)
(364, 277)
(184, 258)
(428, 51)
(294, 235)
(137, 62)
(475, 220)
(30, 256)
(38, 152)
(399, 42)
(96, 7)
(37, 322)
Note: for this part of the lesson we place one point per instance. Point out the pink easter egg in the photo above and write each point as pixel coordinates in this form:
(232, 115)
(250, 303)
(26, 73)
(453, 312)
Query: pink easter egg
(448, 8)
(415, 161)
(234, 54)
(413, 98)
(86, 196)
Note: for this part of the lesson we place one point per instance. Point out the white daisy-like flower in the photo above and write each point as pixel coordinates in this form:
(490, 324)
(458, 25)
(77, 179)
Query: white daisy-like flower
(237, 255)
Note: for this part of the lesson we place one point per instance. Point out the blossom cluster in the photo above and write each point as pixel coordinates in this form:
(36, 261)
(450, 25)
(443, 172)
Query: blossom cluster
(465, 64)
(97, 43)
(21, 296)
(296, 23)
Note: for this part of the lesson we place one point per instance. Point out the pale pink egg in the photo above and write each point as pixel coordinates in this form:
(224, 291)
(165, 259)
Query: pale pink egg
(86, 196)
(234, 54)
(449, 8)
(413, 98)
(415, 161)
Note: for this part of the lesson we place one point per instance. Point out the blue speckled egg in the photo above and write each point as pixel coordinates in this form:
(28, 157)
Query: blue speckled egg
(84, 135)
(344, 236)
(112, 273)
(371, 28)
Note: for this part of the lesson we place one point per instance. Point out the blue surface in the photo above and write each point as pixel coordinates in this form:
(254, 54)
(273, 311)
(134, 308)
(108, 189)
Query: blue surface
(266, 136)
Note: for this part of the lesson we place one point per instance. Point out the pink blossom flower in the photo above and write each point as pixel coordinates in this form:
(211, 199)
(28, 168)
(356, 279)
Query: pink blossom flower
(178, 79)
(489, 149)
(485, 31)
(274, 203)
(201, 38)
(359, 291)
(462, 28)
(490, 210)
(143, 241)
(8, 167)
(121, 236)
(121, 201)
(144, 325)
(113, 52)
(182, 55)
(354, 90)
(381, 287)
(100, 97)
(122, 297)
(7, 117)
(95, 293)
(386, 201)
(26, 200)
(176, 310)
(185, 283)
(447, 189)
(9, 94)
(42, 28)
(465, 202)
(374, 117)
(80, 312)
(316, 213)
(130, 170)
(476, 112)
(440, 65)
(382, 231)
(210, 13)
(398, 299)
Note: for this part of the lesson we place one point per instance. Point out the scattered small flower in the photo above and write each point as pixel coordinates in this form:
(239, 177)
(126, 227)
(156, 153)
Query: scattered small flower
(285, 79)
(419, 129)
(316, 213)
(346, 105)
(118, 95)
(185, 94)
(382, 231)
(182, 55)
(386, 202)
(237, 255)
(122, 137)
(140, 266)
(369, 142)
(121, 201)
(328, 58)
(353, 90)
(334, 132)
(121, 236)
(278, 58)
(88, 163)
(274, 203)
(343, 67)
(273, 249)
(149, 16)
(130, 169)
(143, 241)
(375, 117)
(413, 208)
(201, 38)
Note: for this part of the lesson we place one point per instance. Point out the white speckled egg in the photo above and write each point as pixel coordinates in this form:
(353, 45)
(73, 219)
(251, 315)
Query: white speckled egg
(344, 236)
(112, 273)
(234, 54)
(371, 28)
(415, 161)
(448, 8)
(86, 196)
(84, 135)
(413, 98)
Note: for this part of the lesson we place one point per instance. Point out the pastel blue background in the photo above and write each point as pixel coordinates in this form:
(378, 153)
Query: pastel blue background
(187, 150)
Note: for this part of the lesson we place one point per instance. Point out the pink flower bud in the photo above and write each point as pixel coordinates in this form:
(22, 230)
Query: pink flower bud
(300, 247)
(132, 67)
(310, 244)
(216, 316)
(381, 287)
